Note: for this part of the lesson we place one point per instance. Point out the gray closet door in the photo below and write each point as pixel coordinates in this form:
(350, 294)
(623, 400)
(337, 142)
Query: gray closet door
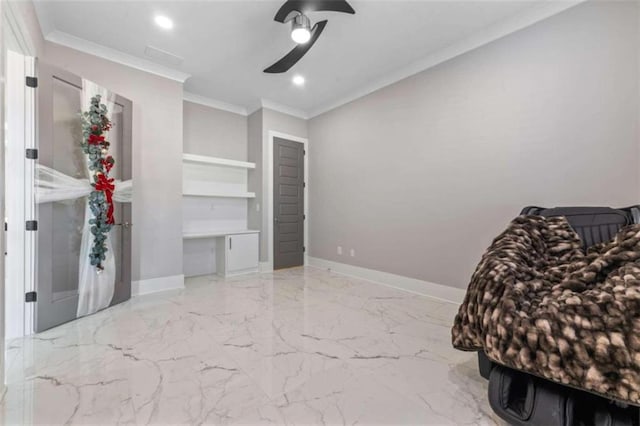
(60, 223)
(288, 203)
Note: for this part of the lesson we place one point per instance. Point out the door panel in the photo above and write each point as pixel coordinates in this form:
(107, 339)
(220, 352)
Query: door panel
(288, 203)
(60, 223)
(120, 138)
(242, 252)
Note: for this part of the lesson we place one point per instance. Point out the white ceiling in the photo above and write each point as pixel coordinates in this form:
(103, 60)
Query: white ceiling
(227, 44)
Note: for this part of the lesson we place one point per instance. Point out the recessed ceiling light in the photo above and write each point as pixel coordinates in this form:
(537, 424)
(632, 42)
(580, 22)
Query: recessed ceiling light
(298, 80)
(163, 22)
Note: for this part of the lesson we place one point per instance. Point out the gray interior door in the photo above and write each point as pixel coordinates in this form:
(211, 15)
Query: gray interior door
(60, 223)
(288, 203)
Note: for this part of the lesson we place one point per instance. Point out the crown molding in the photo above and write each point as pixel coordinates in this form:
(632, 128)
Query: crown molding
(95, 49)
(15, 22)
(246, 111)
(494, 32)
(274, 106)
(213, 103)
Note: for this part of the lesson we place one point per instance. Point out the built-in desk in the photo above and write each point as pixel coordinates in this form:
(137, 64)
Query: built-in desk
(237, 252)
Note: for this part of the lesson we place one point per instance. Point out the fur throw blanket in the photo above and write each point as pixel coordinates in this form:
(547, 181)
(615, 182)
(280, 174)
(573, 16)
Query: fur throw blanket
(539, 304)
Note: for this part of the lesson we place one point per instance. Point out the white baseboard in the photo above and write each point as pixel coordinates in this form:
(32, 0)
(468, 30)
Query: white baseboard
(266, 267)
(154, 285)
(412, 285)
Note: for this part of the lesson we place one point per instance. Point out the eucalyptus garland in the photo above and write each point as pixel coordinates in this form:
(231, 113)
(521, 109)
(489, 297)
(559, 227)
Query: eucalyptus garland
(95, 123)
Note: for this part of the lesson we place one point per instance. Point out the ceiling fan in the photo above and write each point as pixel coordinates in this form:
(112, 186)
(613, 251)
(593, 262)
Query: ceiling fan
(301, 32)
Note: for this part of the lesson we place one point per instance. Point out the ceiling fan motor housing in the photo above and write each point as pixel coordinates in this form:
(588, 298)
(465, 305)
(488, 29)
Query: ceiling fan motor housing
(301, 21)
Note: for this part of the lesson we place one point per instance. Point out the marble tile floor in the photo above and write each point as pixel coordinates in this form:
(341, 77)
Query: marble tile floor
(301, 346)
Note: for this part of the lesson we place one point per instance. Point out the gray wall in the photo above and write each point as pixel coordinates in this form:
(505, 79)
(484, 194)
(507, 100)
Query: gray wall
(420, 176)
(2, 183)
(213, 132)
(157, 156)
(284, 123)
(260, 123)
(254, 148)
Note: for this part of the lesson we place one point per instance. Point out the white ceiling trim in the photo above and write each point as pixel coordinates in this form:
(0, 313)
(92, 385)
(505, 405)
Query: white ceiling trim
(17, 28)
(274, 106)
(213, 103)
(237, 109)
(95, 49)
(491, 33)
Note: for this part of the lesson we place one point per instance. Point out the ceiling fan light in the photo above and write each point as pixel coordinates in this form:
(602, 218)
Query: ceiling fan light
(301, 35)
(301, 29)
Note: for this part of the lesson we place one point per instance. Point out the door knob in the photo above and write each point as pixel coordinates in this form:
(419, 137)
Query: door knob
(276, 220)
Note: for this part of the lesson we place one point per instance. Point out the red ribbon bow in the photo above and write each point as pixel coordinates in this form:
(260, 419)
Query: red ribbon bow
(104, 184)
(107, 163)
(95, 139)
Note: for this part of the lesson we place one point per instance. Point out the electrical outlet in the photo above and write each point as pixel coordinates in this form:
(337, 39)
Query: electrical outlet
(352, 253)
(340, 250)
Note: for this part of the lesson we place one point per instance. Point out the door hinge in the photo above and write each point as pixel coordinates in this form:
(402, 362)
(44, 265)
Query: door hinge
(30, 297)
(304, 152)
(304, 184)
(32, 225)
(32, 82)
(304, 249)
(32, 154)
(304, 217)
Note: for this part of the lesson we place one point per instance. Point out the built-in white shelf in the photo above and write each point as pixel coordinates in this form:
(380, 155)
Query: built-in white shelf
(215, 177)
(202, 159)
(215, 234)
(215, 216)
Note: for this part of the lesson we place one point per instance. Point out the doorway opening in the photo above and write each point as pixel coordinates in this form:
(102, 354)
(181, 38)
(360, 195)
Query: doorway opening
(48, 229)
(69, 285)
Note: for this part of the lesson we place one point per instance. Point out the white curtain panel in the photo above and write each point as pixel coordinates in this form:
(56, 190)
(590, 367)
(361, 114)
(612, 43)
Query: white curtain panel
(95, 288)
(52, 186)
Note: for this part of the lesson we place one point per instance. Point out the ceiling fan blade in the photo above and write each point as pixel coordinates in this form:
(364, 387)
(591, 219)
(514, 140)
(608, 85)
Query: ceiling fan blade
(290, 59)
(293, 7)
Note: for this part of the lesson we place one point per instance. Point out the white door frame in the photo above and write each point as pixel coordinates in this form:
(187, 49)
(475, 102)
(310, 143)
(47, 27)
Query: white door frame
(19, 173)
(268, 176)
(20, 118)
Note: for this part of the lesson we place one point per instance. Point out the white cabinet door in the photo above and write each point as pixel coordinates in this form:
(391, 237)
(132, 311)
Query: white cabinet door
(242, 253)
